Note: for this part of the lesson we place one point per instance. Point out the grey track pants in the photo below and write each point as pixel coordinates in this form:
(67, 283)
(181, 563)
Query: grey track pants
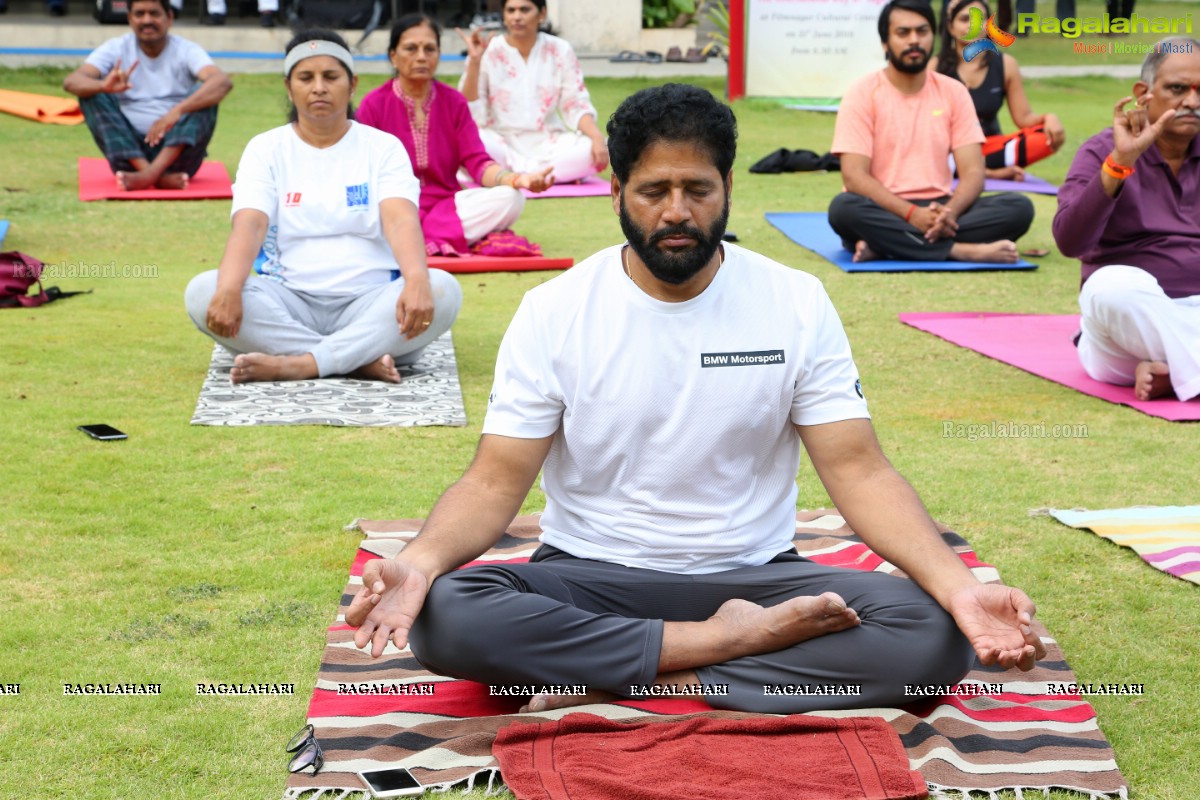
(342, 332)
(566, 620)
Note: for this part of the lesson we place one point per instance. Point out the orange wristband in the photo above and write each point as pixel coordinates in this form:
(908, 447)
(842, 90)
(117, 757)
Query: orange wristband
(1115, 170)
(911, 209)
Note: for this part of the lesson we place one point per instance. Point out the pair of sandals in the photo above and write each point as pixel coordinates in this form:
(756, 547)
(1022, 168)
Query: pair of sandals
(634, 57)
(694, 55)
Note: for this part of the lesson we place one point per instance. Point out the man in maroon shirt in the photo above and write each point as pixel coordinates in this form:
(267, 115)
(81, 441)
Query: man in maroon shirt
(1130, 210)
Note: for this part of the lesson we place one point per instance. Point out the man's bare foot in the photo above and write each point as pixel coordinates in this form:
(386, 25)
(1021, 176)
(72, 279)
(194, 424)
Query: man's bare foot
(1001, 252)
(173, 180)
(551, 702)
(254, 367)
(754, 629)
(133, 181)
(381, 369)
(863, 253)
(1151, 379)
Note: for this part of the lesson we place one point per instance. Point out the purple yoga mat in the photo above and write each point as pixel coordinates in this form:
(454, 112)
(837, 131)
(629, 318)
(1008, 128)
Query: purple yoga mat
(1031, 185)
(1041, 344)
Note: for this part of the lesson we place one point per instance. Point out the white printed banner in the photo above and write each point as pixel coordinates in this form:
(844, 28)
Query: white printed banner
(810, 48)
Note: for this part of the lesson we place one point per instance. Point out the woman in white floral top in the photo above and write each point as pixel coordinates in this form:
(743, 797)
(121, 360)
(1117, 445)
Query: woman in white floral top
(525, 91)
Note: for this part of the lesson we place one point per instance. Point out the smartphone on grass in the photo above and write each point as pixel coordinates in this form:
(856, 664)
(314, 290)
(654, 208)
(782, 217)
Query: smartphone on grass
(105, 433)
(395, 782)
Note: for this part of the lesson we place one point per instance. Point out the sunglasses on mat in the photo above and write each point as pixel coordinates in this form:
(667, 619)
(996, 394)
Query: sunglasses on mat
(308, 752)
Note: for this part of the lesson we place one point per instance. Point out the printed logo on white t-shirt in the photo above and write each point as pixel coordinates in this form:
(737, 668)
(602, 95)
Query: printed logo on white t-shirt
(748, 358)
(291, 199)
(357, 197)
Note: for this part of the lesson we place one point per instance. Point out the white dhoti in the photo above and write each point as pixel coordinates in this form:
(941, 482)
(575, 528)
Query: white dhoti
(482, 211)
(1127, 318)
(568, 152)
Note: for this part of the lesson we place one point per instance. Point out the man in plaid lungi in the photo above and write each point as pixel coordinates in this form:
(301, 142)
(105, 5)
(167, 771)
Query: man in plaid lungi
(150, 100)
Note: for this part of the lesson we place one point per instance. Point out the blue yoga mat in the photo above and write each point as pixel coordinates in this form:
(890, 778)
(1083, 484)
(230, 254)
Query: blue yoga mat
(3, 232)
(811, 230)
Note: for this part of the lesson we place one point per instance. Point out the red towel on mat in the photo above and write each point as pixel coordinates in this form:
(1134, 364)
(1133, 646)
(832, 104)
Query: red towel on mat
(586, 757)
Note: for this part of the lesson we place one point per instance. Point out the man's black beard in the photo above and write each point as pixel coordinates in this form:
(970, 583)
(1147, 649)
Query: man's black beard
(902, 65)
(674, 267)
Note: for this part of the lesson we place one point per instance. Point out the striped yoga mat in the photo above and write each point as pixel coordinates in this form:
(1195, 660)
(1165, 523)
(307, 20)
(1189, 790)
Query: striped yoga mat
(1005, 730)
(1166, 537)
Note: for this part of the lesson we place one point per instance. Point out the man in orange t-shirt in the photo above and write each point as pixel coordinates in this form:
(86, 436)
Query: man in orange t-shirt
(895, 131)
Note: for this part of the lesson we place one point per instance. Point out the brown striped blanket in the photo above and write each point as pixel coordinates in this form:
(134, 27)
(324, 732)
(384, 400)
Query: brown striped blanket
(998, 730)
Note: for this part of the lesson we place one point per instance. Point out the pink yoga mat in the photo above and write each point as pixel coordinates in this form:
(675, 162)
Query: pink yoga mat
(588, 187)
(1041, 344)
(461, 264)
(96, 182)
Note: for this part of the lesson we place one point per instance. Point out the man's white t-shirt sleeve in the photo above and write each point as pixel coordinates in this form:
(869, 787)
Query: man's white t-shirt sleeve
(526, 402)
(828, 388)
(104, 57)
(195, 56)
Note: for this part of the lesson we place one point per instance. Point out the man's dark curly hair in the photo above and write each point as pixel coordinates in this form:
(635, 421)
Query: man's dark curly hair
(673, 112)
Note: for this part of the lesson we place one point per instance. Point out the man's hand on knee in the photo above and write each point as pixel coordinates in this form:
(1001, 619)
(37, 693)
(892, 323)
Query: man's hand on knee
(387, 605)
(998, 621)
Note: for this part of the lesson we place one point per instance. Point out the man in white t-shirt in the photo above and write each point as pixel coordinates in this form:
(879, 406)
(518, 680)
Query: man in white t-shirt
(664, 387)
(150, 100)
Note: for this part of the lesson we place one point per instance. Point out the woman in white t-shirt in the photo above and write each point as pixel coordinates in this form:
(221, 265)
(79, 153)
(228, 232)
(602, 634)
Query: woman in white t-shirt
(324, 270)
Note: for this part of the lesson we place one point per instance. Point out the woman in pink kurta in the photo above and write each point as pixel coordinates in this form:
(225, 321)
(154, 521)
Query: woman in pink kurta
(433, 122)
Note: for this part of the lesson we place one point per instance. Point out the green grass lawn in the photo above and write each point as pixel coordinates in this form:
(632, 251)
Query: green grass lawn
(194, 554)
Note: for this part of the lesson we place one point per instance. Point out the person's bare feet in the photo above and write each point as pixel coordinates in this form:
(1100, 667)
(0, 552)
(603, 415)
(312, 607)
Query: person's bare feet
(551, 702)
(173, 180)
(381, 369)
(764, 630)
(1151, 379)
(863, 253)
(133, 181)
(254, 367)
(1001, 252)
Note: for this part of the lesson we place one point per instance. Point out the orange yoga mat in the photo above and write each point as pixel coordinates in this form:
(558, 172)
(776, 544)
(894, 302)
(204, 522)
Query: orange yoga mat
(41, 107)
(96, 182)
(462, 264)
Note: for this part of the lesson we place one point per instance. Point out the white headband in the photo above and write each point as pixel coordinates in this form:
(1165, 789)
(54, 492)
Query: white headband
(317, 47)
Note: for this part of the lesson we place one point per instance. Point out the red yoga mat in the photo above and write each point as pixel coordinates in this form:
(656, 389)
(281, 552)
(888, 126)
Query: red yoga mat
(1041, 344)
(463, 264)
(96, 182)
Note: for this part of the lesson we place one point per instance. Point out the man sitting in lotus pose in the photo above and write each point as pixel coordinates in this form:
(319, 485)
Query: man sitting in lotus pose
(665, 387)
(895, 131)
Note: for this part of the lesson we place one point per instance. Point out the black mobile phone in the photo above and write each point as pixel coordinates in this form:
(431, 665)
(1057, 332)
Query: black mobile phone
(105, 433)
(397, 782)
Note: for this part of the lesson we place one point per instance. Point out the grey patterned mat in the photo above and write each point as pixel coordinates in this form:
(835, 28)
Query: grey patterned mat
(428, 394)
